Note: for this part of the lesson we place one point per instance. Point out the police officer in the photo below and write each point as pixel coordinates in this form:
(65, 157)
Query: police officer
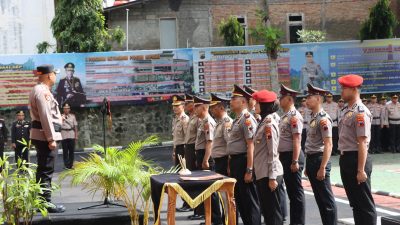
(385, 134)
(204, 161)
(306, 114)
(331, 107)
(340, 107)
(20, 129)
(318, 151)
(267, 167)
(241, 150)
(252, 102)
(393, 120)
(377, 112)
(311, 72)
(69, 134)
(46, 127)
(290, 154)
(355, 164)
(179, 126)
(3, 137)
(69, 89)
(190, 140)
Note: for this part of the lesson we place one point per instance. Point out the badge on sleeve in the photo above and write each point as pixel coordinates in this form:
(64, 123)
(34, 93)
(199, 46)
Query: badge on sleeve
(268, 132)
(206, 127)
(293, 121)
(247, 122)
(324, 124)
(47, 97)
(360, 120)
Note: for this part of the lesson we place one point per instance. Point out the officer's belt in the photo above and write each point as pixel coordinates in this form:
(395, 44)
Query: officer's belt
(37, 125)
(335, 120)
(375, 118)
(66, 129)
(240, 155)
(394, 119)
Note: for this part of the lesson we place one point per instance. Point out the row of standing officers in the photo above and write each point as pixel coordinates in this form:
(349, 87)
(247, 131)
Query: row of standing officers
(262, 151)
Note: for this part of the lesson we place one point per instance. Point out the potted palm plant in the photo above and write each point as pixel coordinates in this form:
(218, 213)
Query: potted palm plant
(122, 174)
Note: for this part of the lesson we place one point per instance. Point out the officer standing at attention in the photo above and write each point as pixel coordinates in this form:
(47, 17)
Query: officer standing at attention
(46, 127)
(241, 150)
(3, 137)
(306, 114)
(219, 152)
(393, 120)
(267, 167)
(291, 155)
(204, 161)
(252, 102)
(385, 134)
(20, 129)
(331, 107)
(318, 151)
(377, 112)
(69, 133)
(355, 164)
(179, 126)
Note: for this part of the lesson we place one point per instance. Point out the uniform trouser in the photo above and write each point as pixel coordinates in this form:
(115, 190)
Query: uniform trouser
(221, 167)
(294, 187)
(45, 169)
(179, 151)
(359, 195)
(215, 208)
(394, 130)
(303, 139)
(335, 139)
(246, 196)
(20, 153)
(385, 138)
(190, 156)
(322, 189)
(375, 144)
(68, 146)
(270, 201)
(282, 193)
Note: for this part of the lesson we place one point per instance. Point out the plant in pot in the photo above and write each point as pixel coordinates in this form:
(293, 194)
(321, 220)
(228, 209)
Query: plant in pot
(122, 174)
(20, 193)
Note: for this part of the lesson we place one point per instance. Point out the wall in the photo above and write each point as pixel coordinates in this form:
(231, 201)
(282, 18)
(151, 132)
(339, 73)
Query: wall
(343, 18)
(129, 123)
(197, 21)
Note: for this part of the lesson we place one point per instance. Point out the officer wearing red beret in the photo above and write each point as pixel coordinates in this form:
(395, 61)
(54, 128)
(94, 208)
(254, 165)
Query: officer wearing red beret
(318, 149)
(355, 163)
(267, 167)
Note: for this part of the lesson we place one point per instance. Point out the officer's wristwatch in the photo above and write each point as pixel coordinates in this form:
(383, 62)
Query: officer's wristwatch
(294, 162)
(249, 170)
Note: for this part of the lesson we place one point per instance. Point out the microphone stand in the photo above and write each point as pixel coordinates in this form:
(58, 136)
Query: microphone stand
(105, 110)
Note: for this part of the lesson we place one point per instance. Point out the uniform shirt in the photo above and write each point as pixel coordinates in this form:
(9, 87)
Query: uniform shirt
(44, 109)
(306, 114)
(291, 123)
(332, 110)
(320, 128)
(220, 137)
(243, 128)
(205, 132)
(392, 113)
(266, 156)
(179, 127)
(68, 126)
(191, 130)
(19, 130)
(376, 110)
(356, 122)
(3, 131)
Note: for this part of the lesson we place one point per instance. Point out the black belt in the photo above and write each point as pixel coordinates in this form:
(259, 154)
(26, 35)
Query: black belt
(352, 153)
(66, 129)
(238, 155)
(37, 125)
(394, 119)
(375, 118)
(335, 120)
(312, 155)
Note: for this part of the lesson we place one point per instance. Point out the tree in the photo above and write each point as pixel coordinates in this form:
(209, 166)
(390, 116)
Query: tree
(231, 31)
(381, 22)
(271, 36)
(307, 36)
(43, 47)
(79, 26)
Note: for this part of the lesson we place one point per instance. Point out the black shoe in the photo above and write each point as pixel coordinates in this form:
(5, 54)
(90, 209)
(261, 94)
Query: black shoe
(184, 209)
(196, 217)
(56, 209)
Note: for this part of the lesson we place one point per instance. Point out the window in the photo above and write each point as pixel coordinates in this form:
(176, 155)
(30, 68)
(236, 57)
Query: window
(295, 22)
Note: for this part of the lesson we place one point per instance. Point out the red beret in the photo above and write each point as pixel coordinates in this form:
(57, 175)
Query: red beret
(351, 80)
(264, 96)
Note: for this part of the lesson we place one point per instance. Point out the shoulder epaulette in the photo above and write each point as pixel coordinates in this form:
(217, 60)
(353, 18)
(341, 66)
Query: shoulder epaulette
(247, 115)
(226, 119)
(361, 108)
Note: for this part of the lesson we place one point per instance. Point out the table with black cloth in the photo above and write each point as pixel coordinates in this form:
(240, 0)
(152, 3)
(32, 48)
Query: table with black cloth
(194, 192)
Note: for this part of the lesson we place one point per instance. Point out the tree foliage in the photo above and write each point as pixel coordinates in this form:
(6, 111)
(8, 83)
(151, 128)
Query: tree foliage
(232, 31)
(307, 36)
(43, 47)
(381, 22)
(79, 26)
